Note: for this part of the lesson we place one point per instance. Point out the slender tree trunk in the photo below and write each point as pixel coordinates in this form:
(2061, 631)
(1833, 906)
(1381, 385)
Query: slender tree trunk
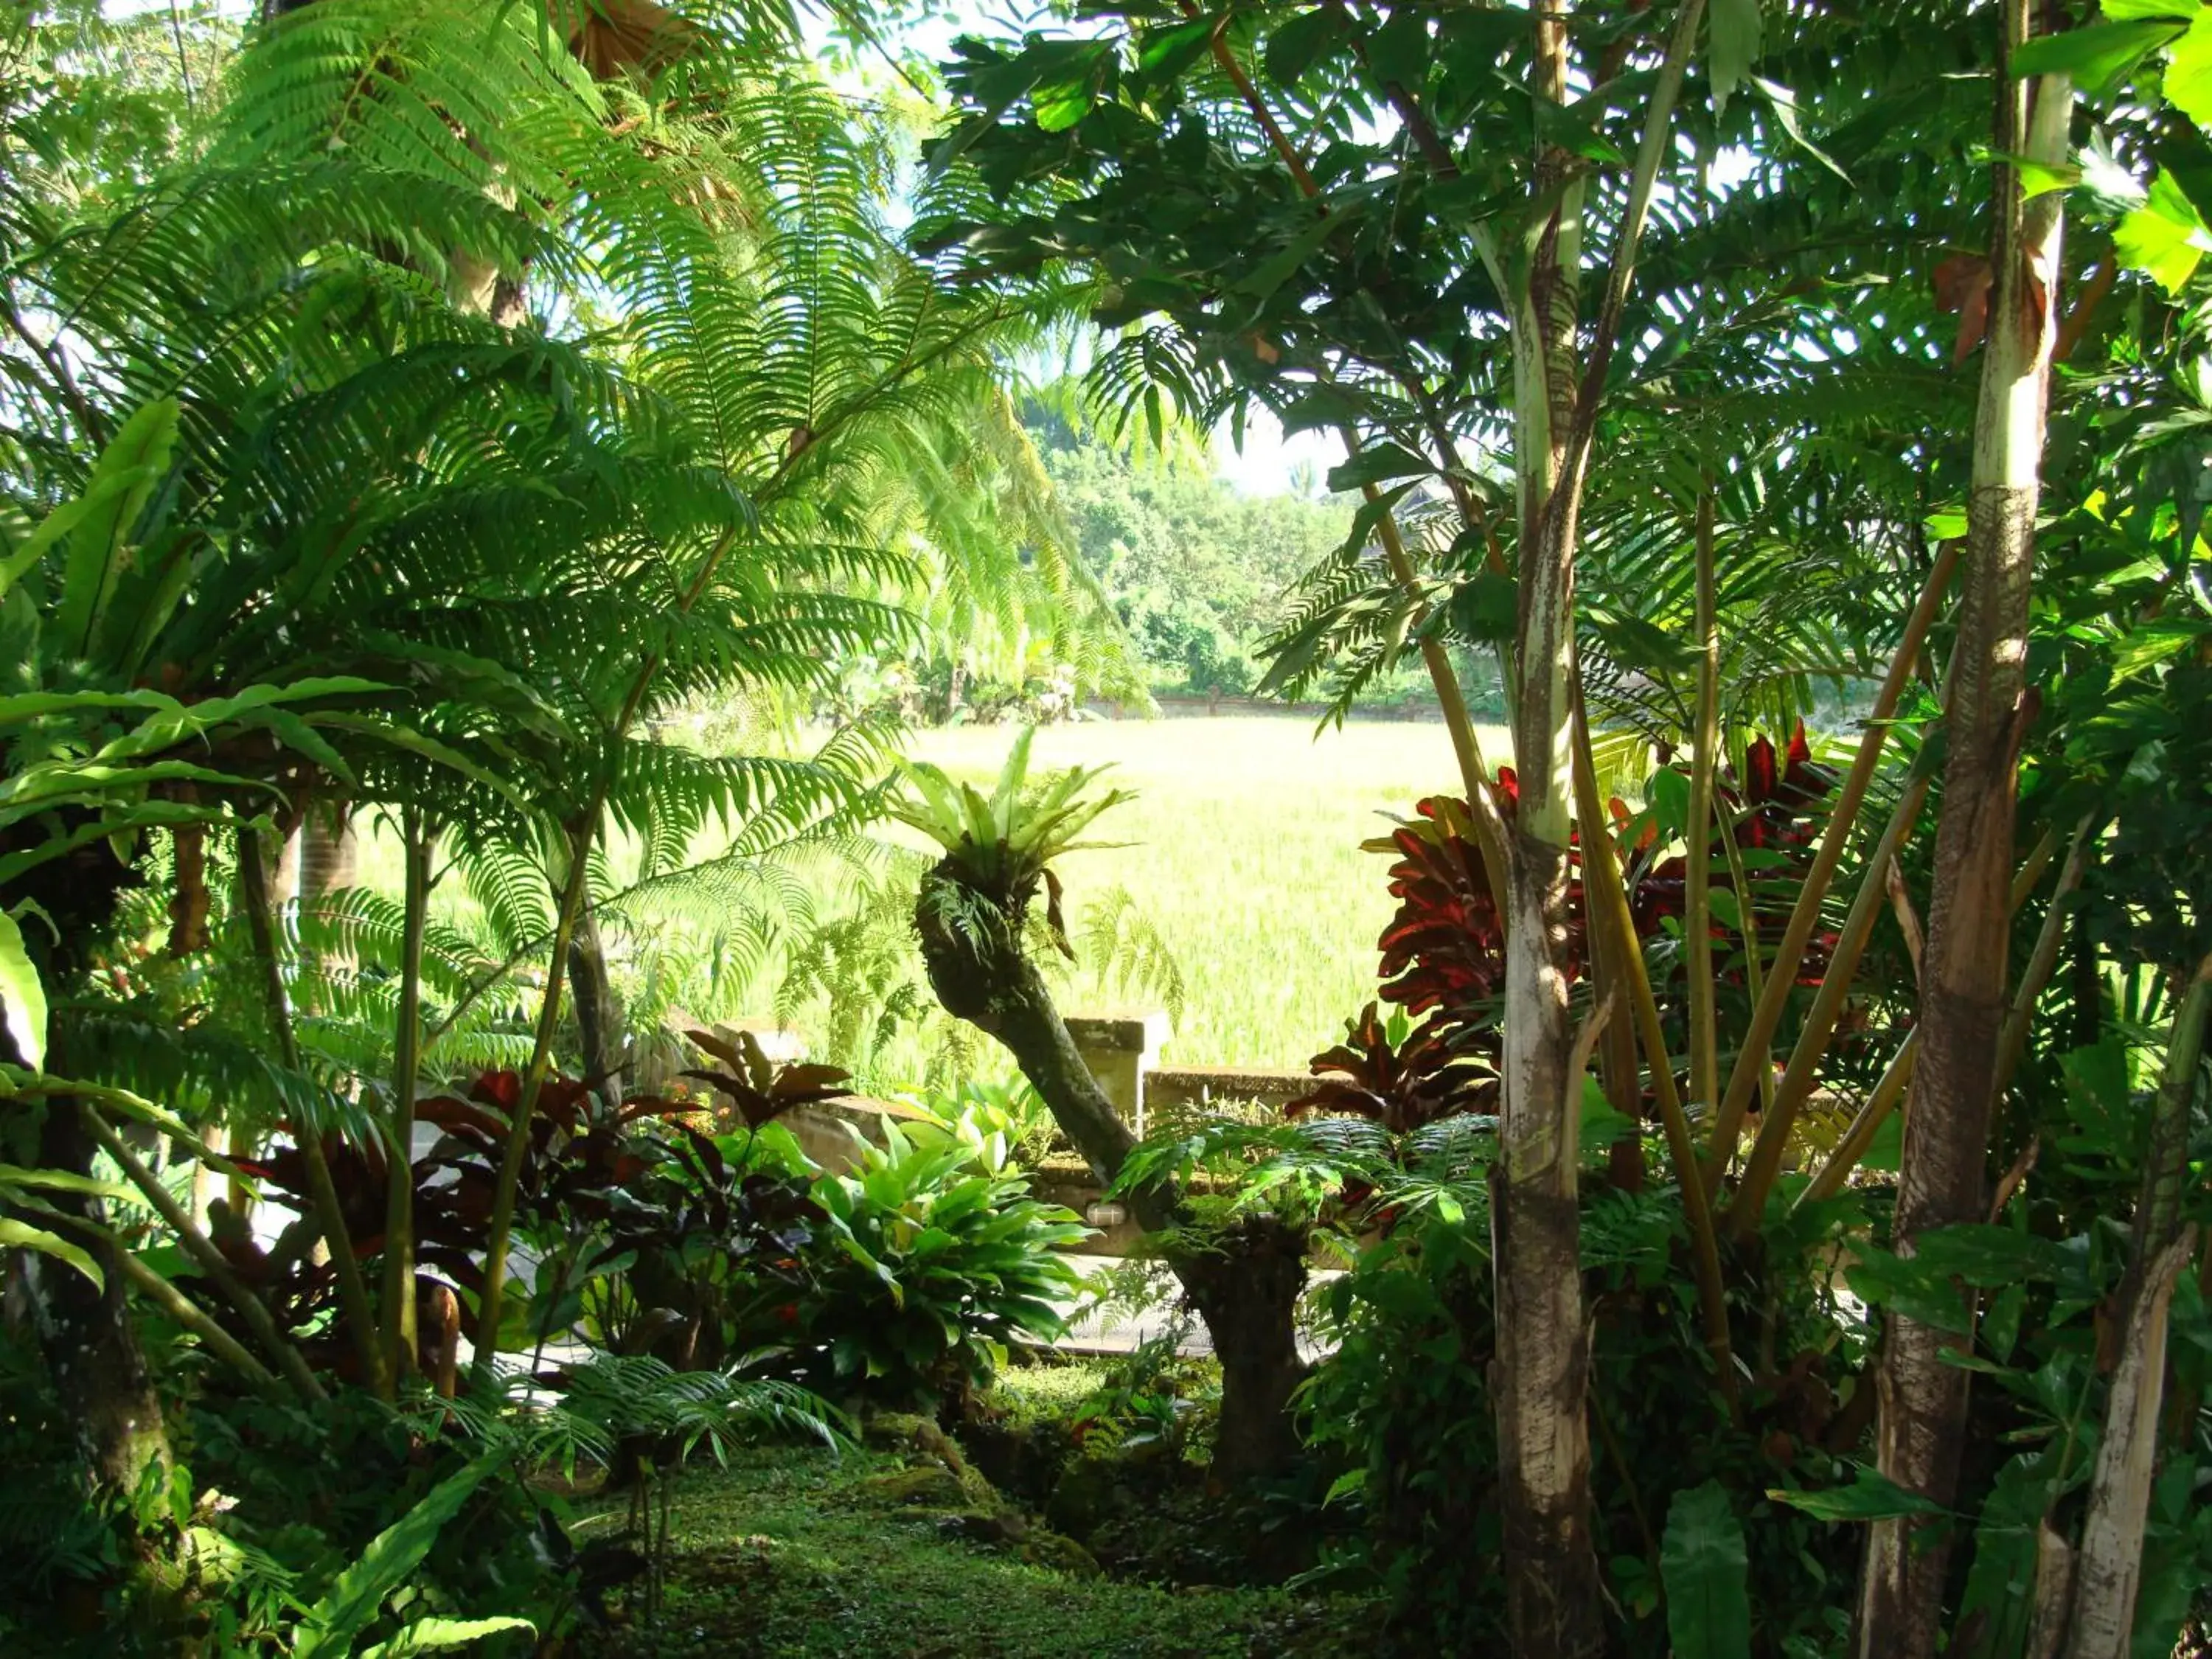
(1540, 1378)
(329, 1215)
(1962, 986)
(598, 1008)
(396, 1325)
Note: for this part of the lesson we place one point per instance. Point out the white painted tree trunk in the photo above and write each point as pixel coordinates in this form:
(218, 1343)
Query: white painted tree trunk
(2108, 1567)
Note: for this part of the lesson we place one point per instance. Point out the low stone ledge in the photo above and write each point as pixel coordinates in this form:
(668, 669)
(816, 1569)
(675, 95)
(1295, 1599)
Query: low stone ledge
(1200, 1086)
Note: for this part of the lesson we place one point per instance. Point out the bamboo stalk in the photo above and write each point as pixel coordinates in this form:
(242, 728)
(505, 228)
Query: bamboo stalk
(1705, 765)
(322, 1190)
(1766, 1015)
(189, 1314)
(1607, 901)
(2165, 1164)
(1887, 1091)
(1908, 918)
(399, 1332)
(202, 1250)
(2032, 867)
(1812, 1046)
(2042, 962)
(1890, 1088)
(1617, 1053)
(1754, 976)
(2108, 1567)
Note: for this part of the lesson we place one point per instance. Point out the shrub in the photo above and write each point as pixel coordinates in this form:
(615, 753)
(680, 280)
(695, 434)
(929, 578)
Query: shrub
(1402, 1402)
(276, 1528)
(936, 1258)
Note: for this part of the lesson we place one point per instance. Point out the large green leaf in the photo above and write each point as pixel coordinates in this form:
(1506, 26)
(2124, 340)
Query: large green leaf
(425, 1634)
(22, 1236)
(2188, 73)
(2166, 237)
(1707, 1573)
(2181, 11)
(2095, 56)
(1378, 464)
(2000, 1591)
(1872, 1495)
(353, 1600)
(22, 997)
(99, 544)
(1907, 1285)
(1734, 27)
(66, 1181)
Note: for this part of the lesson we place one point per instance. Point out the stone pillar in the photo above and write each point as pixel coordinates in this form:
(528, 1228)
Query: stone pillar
(1119, 1049)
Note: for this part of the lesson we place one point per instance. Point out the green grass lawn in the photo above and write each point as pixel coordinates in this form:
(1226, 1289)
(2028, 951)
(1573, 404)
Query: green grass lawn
(787, 1555)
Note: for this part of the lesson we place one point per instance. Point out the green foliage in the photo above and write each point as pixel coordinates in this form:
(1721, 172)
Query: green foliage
(1152, 1401)
(944, 1260)
(1195, 570)
(1702, 1565)
(999, 849)
(1400, 1406)
(333, 1623)
(290, 1531)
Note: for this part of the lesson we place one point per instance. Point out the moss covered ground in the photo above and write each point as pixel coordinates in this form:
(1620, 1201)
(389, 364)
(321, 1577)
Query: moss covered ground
(793, 1553)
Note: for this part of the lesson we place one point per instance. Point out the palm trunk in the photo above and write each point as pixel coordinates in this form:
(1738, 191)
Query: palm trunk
(329, 1215)
(2108, 1571)
(598, 1008)
(1704, 767)
(1554, 1594)
(327, 854)
(1963, 982)
(397, 1329)
(2108, 1567)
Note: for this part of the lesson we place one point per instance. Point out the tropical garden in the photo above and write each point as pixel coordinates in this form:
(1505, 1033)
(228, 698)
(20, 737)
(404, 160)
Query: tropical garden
(492, 501)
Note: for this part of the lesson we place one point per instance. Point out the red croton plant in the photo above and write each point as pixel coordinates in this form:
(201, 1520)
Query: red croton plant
(1443, 951)
(644, 1173)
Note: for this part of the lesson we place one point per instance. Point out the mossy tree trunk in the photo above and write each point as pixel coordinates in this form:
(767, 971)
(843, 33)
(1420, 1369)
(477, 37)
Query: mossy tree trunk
(84, 1330)
(1244, 1281)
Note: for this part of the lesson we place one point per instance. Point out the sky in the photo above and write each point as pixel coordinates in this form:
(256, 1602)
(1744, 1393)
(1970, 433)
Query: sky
(1268, 463)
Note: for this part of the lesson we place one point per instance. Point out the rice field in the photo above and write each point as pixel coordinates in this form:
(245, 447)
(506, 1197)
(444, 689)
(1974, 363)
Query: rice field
(1241, 848)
